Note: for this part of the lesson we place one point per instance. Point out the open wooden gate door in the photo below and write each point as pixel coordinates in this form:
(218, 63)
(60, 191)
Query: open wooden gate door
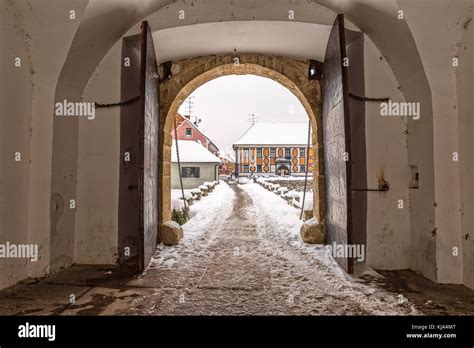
(148, 155)
(138, 184)
(337, 143)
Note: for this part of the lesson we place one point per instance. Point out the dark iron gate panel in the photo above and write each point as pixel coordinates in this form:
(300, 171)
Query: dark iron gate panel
(148, 134)
(356, 83)
(337, 145)
(129, 195)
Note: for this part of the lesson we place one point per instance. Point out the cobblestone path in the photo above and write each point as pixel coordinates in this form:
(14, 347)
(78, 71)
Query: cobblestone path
(241, 266)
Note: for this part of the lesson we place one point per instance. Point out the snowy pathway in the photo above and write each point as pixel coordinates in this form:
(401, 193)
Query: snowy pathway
(242, 255)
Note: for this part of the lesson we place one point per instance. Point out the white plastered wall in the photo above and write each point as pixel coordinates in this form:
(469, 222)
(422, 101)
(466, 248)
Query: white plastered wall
(41, 37)
(388, 226)
(438, 39)
(465, 102)
(96, 224)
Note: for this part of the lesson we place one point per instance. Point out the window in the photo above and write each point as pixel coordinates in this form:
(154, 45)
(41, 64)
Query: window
(259, 152)
(259, 168)
(189, 132)
(302, 152)
(190, 172)
(287, 152)
(302, 168)
(273, 152)
(246, 169)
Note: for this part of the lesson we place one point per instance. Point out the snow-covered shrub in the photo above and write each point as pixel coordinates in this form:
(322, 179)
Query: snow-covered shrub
(196, 194)
(177, 204)
(187, 195)
(243, 180)
(204, 190)
(282, 190)
(293, 194)
(209, 185)
(178, 216)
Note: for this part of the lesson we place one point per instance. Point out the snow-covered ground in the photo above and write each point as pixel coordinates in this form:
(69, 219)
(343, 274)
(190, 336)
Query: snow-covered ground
(211, 209)
(278, 212)
(242, 254)
(274, 214)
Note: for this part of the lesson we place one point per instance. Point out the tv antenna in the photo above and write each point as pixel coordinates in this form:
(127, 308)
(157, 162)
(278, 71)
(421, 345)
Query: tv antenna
(253, 119)
(190, 102)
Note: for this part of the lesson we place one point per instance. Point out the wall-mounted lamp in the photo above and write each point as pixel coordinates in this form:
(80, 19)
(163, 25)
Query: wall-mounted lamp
(315, 69)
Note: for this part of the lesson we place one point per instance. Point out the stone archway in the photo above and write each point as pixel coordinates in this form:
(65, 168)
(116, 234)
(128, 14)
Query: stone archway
(189, 74)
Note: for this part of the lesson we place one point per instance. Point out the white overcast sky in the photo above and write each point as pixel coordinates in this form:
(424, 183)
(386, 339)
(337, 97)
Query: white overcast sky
(224, 105)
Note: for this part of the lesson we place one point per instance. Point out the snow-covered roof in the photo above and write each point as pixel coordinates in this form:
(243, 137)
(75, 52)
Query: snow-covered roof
(275, 134)
(192, 152)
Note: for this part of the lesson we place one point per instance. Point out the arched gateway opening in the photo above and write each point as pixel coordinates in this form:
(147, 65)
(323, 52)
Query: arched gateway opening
(189, 74)
(164, 87)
